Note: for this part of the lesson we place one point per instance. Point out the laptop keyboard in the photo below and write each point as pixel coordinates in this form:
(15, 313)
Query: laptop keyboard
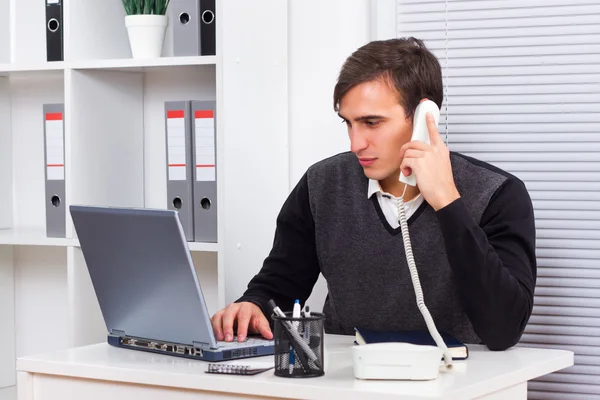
(247, 343)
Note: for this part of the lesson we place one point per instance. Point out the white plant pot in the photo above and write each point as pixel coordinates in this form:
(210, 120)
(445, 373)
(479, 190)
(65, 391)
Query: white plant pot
(146, 34)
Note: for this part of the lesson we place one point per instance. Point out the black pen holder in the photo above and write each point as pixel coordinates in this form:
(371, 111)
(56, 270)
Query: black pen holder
(299, 345)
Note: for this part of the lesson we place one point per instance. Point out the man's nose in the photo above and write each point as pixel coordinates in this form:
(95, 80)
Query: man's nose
(358, 142)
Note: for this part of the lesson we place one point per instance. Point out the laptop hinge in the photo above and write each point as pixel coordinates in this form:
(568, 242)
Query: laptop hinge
(117, 332)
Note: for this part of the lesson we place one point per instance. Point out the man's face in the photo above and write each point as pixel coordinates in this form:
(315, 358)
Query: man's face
(377, 128)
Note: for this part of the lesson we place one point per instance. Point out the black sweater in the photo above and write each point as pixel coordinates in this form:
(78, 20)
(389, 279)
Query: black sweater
(475, 257)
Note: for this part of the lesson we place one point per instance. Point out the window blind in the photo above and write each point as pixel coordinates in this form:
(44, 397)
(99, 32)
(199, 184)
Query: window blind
(522, 92)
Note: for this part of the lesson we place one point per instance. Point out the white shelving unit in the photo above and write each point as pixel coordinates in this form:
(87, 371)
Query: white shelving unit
(115, 155)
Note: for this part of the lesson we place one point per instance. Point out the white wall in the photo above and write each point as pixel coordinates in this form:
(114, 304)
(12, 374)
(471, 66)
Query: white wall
(321, 35)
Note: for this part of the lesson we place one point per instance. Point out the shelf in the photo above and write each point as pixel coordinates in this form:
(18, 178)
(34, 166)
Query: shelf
(32, 237)
(116, 64)
(36, 237)
(131, 63)
(206, 247)
(8, 69)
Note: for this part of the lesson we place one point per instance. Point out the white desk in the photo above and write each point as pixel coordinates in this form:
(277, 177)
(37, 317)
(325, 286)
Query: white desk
(101, 372)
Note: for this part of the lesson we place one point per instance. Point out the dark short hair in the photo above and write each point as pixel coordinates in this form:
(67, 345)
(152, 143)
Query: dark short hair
(406, 63)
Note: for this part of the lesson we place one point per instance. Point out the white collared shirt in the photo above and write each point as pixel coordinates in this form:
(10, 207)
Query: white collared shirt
(389, 203)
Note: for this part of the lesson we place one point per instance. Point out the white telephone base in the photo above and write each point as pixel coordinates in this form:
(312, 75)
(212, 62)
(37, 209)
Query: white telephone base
(396, 361)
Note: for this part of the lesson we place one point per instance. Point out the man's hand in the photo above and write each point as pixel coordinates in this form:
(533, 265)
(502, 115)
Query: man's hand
(431, 165)
(247, 316)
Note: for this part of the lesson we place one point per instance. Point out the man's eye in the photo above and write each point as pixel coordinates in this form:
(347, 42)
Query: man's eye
(372, 123)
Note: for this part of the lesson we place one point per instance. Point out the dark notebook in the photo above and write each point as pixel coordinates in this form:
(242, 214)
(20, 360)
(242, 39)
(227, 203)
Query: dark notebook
(458, 350)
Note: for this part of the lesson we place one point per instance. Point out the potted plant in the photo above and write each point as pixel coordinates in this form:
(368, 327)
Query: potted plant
(146, 23)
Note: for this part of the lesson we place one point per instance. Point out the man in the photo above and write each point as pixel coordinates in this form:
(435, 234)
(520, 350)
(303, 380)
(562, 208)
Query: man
(471, 224)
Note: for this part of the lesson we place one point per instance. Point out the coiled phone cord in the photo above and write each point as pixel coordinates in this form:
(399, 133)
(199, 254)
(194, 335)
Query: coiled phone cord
(417, 285)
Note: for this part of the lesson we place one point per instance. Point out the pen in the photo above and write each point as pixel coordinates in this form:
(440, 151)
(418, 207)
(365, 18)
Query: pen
(295, 314)
(306, 323)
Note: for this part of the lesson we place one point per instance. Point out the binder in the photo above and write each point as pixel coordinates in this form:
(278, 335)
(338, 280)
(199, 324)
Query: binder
(193, 27)
(179, 159)
(54, 161)
(185, 17)
(54, 30)
(207, 27)
(205, 171)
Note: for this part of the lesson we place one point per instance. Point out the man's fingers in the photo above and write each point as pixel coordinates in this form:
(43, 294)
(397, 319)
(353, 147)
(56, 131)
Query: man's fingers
(228, 320)
(434, 135)
(243, 319)
(413, 145)
(263, 327)
(216, 322)
(407, 166)
(412, 153)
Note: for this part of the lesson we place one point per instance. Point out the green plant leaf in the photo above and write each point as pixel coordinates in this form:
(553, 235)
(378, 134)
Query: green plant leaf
(133, 7)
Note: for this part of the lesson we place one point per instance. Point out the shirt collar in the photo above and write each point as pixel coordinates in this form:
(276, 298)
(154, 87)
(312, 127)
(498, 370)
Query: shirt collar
(373, 188)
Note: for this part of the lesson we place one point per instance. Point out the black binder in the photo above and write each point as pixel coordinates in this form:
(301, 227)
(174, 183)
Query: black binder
(54, 30)
(207, 27)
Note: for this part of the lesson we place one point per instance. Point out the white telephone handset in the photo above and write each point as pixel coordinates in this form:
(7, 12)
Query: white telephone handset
(420, 131)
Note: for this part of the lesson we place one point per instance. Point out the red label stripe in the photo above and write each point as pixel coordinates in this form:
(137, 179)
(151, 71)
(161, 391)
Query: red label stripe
(204, 165)
(204, 114)
(176, 165)
(56, 165)
(54, 116)
(175, 114)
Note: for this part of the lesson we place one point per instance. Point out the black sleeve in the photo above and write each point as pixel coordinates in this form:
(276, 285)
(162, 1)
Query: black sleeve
(291, 268)
(494, 263)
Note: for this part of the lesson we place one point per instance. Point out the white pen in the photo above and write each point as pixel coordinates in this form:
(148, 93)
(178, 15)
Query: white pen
(306, 324)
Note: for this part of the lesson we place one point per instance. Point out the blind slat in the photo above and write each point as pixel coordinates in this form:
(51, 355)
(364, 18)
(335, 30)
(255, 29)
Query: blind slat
(575, 322)
(548, 166)
(569, 378)
(568, 214)
(563, 186)
(565, 283)
(592, 293)
(567, 234)
(588, 273)
(566, 195)
(517, 109)
(559, 205)
(479, 148)
(561, 301)
(555, 395)
(538, 128)
(523, 32)
(534, 337)
(592, 78)
(529, 98)
(568, 387)
(455, 43)
(479, 13)
(582, 350)
(563, 330)
(549, 59)
(566, 263)
(568, 311)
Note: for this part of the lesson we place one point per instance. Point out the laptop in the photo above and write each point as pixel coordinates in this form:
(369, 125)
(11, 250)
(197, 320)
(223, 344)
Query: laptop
(146, 284)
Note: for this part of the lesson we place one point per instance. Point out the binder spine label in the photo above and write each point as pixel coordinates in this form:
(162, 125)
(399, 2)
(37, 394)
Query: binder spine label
(204, 121)
(55, 153)
(176, 145)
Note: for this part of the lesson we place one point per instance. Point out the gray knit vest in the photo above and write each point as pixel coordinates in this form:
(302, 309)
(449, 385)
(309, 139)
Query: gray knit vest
(362, 257)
